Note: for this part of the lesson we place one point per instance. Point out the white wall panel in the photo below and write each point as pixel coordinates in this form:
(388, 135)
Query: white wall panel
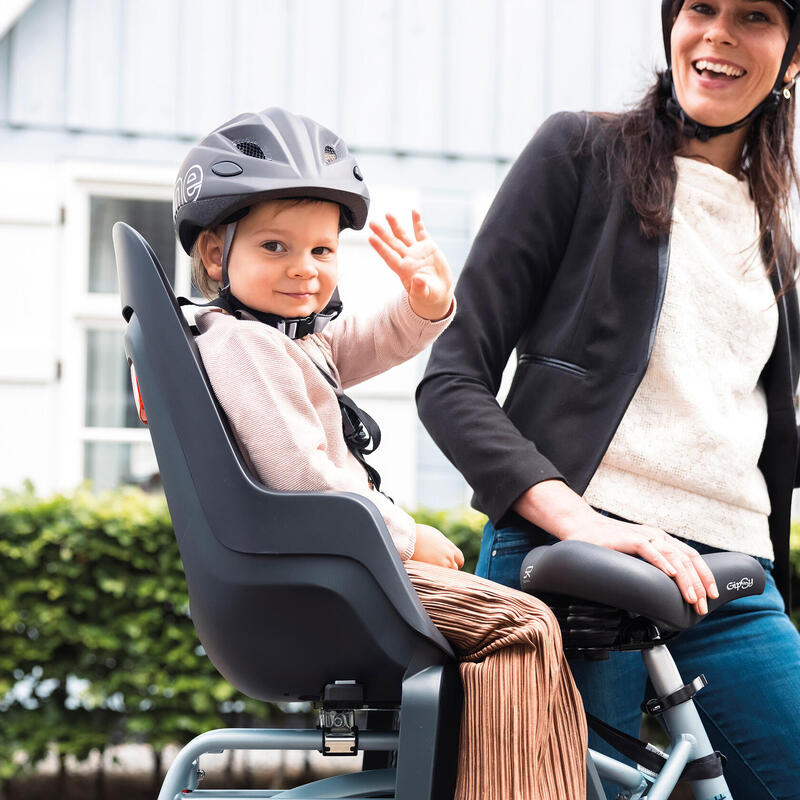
(28, 349)
(571, 42)
(38, 65)
(522, 70)
(149, 54)
(471, 64)
(203, 94)
(93, 64)
(624, 57)
(5, 76)
(420, 97)
(29, 451)
(315, 60)
(368, 78)
(29, 195)
(260, 54)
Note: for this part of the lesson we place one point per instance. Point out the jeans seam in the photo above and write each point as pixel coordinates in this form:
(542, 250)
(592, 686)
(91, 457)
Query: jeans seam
(742, 759)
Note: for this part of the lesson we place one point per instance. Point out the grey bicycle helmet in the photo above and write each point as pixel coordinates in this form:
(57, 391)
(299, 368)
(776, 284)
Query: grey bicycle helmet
(258, 156)
(692, 128)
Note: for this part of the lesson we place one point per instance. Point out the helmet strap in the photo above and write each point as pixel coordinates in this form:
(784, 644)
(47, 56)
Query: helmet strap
(230, 230)
(293, 327)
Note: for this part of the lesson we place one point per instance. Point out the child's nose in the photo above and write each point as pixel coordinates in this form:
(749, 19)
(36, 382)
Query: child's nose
(304, 267)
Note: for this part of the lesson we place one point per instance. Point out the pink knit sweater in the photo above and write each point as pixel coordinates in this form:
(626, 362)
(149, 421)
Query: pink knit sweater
(285, 414)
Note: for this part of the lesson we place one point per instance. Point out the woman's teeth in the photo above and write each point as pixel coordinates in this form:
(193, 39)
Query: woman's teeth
(722, 69)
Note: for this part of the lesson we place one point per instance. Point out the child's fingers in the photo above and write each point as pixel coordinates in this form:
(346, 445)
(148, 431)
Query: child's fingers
(398, 231)
(388, 238)
(419, 229)
(386, 253)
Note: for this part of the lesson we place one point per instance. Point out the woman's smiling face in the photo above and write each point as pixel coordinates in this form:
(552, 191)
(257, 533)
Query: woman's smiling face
(726, 55)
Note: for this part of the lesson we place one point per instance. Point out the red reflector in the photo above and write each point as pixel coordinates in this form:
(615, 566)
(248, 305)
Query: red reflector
(137, 396)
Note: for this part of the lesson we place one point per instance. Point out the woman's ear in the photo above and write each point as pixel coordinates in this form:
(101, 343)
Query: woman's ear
(793, 69)
(210, 247)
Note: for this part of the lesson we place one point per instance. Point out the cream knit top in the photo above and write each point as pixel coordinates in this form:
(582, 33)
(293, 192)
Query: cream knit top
(284, 413)
(685, 455)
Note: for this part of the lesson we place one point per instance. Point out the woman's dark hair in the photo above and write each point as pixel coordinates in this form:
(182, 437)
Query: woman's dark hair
(646, 138)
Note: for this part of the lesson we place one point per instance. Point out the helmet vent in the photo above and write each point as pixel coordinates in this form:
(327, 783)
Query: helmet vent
(251, 149)
(329, 154)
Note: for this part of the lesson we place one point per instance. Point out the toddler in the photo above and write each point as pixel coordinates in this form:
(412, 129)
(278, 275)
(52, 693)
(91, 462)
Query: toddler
(259, 204)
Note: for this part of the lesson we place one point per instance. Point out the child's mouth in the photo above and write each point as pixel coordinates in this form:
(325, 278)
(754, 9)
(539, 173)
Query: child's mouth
(717, 71)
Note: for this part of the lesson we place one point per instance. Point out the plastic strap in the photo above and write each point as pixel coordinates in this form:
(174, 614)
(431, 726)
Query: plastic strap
(358, 428)
(658, 705)
(651, 758)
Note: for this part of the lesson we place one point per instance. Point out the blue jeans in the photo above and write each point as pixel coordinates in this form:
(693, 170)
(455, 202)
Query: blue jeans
(749, 651)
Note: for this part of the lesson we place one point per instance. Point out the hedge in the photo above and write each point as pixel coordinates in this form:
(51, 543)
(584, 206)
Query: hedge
(94, 594)
(96, 645)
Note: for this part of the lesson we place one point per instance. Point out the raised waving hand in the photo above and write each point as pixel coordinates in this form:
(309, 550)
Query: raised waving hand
(418, 262)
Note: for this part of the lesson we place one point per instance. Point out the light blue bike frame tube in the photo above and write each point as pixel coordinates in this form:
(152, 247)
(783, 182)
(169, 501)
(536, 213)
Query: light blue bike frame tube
(686, 732)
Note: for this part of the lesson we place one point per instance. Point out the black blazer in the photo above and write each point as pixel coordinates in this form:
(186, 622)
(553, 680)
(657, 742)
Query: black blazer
(560, 271)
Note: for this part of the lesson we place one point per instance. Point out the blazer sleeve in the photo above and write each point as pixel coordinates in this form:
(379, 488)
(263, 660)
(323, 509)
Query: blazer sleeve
(503, 284)
(797, 462)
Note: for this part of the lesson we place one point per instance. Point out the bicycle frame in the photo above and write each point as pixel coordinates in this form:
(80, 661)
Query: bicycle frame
(688, 741)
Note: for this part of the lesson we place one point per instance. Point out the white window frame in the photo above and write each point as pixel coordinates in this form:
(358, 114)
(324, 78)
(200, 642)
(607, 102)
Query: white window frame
(82, 310)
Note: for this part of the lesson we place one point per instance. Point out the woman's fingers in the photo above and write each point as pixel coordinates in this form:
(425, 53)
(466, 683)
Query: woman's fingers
(692, 574)
(706, 575)
(649, 552)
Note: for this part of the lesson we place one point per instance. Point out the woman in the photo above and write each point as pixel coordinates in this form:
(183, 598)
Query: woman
(641, 266)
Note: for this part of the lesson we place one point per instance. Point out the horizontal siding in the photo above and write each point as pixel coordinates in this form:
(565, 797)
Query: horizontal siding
(465, 77)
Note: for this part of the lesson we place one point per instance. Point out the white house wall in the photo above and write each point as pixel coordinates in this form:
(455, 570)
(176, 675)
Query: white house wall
(454, 76)
(435, 96)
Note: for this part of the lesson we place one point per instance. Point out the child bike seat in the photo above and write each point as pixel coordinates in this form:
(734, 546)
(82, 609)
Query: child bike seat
(589, 572)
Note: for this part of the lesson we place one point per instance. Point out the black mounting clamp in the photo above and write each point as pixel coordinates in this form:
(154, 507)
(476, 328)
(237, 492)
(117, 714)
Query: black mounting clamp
(658, 705)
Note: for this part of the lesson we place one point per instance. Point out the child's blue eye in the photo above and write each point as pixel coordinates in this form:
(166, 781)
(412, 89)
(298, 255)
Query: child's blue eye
(274, 247)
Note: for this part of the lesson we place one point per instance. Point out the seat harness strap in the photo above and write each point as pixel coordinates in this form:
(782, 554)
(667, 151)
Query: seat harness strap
(651, 758)
(361, 433)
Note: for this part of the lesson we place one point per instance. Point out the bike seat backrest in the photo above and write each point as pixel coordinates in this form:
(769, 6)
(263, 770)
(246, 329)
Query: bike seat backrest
(598, 574)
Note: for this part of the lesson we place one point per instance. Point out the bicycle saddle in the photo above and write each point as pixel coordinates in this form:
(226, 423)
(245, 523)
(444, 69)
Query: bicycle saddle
(589, 572)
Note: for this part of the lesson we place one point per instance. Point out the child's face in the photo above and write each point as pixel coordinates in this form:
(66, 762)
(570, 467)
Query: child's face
(283, 257)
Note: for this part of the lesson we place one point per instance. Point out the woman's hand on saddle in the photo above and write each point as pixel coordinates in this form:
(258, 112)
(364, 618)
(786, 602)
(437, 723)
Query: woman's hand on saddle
(419, 263)
(433, 547)
(554, 507)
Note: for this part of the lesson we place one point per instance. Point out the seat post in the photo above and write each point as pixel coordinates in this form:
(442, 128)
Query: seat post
(682, 720)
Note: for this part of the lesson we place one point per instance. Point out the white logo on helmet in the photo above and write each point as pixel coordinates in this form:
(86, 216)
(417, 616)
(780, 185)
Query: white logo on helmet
(188, 187)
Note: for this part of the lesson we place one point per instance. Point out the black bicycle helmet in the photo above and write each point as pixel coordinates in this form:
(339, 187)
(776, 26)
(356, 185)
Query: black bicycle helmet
(779, 92)
(257, 156)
